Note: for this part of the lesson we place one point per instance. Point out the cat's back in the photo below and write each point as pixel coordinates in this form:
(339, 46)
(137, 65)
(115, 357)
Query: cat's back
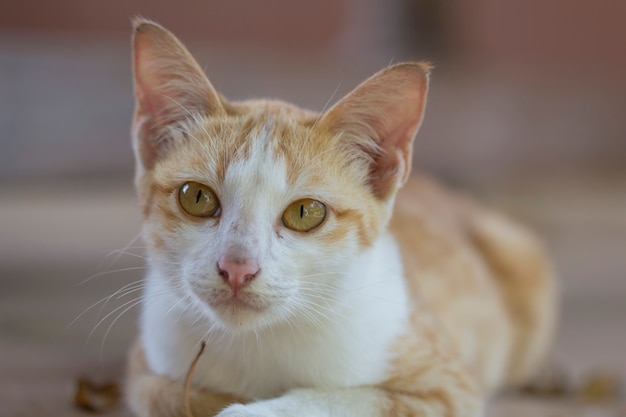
(433, 228)
(484, 277)
(436, 226)
(430, 221)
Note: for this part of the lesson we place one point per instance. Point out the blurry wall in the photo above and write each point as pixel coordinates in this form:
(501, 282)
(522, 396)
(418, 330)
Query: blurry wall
(65, 79)
(302, 24)
(525, 85)
(518, 84)
(580, 42)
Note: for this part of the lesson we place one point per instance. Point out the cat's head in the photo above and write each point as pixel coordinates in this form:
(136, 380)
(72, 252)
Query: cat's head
(256, 211)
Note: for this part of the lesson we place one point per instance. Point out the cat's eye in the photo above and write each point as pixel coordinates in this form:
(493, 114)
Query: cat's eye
(304, 215)
(198, 200)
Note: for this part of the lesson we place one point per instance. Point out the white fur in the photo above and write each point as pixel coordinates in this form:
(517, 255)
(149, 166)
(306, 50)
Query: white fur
(356, 402)
(350, 348)
(328, 314)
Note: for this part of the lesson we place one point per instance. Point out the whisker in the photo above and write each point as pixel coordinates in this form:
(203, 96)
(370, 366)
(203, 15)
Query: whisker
(192, 116)
(372, 284)
(173, 306)
(122, 292)
(320, 274)
(107, 298)
(315, 308)
(202, 144)
(114, 271)
(326, 105)
(258, 341)
(315, 294)
(214, 326)
(134, 301)
(122, 252)
(137, 302)
(130, 291)
(125, 248)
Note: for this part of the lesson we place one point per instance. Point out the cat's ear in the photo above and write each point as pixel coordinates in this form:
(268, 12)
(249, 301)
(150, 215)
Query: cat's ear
(170, 87)
(381, 117)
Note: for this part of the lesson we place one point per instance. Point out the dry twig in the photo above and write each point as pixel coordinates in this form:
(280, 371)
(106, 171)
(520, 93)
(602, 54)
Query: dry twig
(188, 378)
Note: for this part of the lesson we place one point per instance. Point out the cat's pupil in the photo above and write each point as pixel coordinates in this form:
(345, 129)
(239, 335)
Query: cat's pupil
(198, 196)
(301, 210)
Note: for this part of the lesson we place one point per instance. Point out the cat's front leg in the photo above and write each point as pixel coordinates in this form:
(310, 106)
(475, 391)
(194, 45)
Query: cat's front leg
(152, 395)
(360, 402)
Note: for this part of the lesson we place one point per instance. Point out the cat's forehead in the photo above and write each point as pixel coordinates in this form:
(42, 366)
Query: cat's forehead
(259, 159)
(208, 146)
(277, 139)
(271, 132)
(271, 143)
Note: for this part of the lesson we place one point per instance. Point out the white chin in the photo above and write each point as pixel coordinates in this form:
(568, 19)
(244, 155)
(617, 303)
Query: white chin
(238, 316)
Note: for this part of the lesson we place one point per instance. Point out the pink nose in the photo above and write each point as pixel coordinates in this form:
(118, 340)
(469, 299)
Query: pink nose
(237, 272)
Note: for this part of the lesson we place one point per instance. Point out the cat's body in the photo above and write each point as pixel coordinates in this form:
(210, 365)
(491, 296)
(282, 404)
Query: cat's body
(347, 310)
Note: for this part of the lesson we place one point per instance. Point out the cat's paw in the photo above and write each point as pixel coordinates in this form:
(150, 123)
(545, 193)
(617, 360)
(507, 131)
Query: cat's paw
(240, 410)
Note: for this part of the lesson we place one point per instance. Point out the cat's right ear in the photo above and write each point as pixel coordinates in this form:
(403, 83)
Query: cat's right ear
(170, 87)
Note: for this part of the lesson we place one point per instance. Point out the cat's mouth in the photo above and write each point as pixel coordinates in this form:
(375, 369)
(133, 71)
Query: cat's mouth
(226, 300)
(239, 301)
(237, 310)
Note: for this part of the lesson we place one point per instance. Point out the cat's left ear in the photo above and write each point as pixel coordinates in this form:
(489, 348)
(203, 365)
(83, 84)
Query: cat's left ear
(170, 87)
(381, 117)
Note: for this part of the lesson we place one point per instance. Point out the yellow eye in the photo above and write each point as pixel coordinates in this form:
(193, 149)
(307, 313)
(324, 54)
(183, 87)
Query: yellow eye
(304, 215)
(198, 200)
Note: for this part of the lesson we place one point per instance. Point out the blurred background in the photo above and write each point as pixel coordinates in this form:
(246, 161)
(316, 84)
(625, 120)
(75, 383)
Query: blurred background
(526, 111)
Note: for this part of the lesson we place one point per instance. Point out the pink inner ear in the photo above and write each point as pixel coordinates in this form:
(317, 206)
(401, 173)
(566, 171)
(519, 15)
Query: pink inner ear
(386, 109)
(393, 166)
(146, 80)
(169, 86)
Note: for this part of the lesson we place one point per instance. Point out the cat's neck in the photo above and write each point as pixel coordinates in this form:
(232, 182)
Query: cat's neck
(371, 312)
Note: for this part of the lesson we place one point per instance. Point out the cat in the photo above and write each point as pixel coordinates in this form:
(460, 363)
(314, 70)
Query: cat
(281, 238)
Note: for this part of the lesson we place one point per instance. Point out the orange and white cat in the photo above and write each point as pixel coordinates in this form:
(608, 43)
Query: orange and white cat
(281, 238)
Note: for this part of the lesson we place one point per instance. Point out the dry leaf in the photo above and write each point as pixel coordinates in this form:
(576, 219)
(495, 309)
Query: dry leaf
(601, 386)
(96, 398)
(552, 381)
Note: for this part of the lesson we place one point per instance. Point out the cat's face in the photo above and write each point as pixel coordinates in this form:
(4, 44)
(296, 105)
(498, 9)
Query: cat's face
(255, 212)
(267, 177)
